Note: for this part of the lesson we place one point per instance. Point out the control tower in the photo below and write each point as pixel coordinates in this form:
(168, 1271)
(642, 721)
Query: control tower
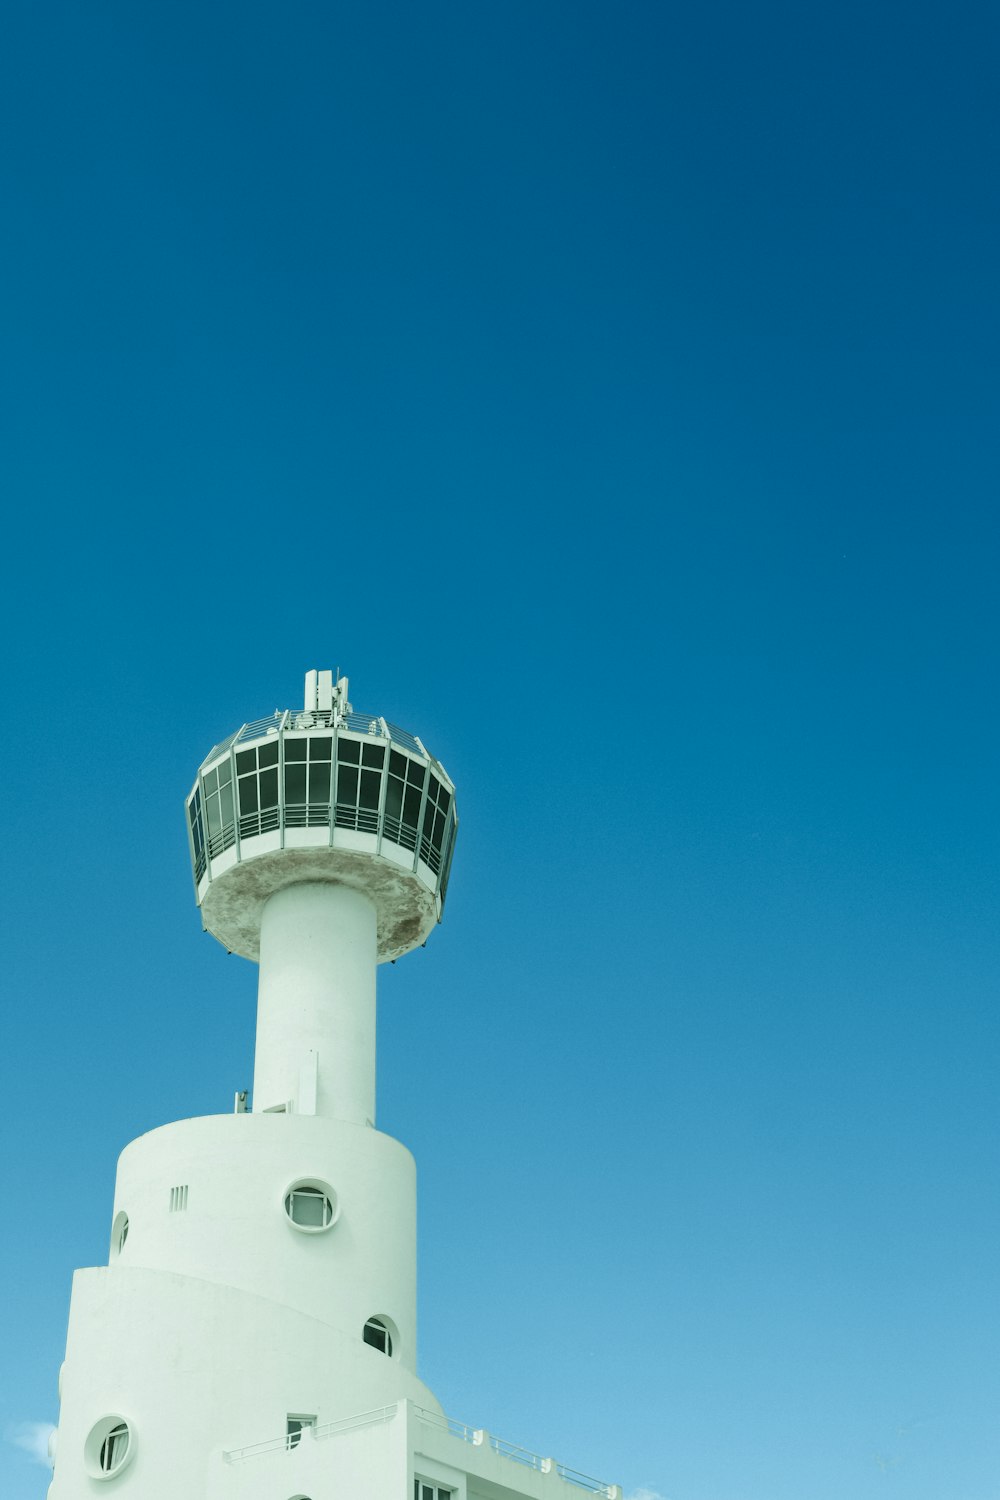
(253, 1336)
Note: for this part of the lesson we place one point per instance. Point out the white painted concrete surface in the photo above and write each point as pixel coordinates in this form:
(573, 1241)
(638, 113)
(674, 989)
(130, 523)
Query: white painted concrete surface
(318, 957)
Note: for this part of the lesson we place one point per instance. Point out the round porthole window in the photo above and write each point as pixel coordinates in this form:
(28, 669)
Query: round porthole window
(311, 1206)
(108, 1448)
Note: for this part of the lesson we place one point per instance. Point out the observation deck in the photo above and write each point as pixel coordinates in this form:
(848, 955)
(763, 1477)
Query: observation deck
(322, 793)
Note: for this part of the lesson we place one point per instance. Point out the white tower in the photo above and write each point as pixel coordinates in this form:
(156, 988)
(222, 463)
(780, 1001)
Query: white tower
(253, 1336)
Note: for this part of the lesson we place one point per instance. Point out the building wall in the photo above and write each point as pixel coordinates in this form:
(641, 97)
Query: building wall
(217, 1318)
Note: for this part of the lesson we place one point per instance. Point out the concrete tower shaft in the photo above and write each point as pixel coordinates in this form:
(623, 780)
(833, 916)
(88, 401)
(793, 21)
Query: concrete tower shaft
(316, 1003)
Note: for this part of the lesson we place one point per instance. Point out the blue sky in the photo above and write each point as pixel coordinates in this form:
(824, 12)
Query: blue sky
(611, 391)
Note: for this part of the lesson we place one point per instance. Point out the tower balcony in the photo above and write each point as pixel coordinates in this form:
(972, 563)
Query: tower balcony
(322, 794)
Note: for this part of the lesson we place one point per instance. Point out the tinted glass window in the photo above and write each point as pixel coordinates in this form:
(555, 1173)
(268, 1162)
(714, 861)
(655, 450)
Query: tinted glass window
(295, 783)
(371, 782)
(394, 798)
(411, 805)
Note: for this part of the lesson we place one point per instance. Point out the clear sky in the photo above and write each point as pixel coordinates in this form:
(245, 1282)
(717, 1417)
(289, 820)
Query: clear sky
(611, 391)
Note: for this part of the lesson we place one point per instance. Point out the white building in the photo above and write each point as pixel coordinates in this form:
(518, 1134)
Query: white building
(253, 1336)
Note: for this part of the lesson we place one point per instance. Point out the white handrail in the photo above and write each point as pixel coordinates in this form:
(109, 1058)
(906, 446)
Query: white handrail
(317, 1434)
(517, 1454)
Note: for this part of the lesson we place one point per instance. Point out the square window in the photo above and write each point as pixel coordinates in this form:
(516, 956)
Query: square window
(296, 1425)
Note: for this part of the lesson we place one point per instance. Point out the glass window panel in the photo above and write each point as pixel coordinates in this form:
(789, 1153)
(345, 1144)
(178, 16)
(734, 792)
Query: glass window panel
(269, 788)
(411, 806)
(267, 755)
(114, 1449)
(373, 755)
(295, 783)
(211, 783)
(428, 818)
(226, 799)
(434, 790)
(376, 1334)
(347, 785)
(397, 763)
(438, 833)
(349, 751)
(394, 798)
(444, 798)
(246, 760)
(225, 773)
(371, 782)
(416, 773)
(321, 748)
(248, 794)
(319, 783)
(214, 820)
(295, 749)
(309, 1207)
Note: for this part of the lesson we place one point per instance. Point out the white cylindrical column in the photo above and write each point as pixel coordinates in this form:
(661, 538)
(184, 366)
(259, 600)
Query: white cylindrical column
(316, 1003)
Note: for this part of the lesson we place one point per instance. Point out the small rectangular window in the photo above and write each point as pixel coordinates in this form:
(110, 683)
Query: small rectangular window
(296, 1425)
(178, 1199)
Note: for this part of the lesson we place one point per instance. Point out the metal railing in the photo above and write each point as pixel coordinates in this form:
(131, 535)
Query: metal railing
(350, 1424)
(317, 1434)
(447, 1424)
(319, 718)
(475, 1436)
(517, 1454)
